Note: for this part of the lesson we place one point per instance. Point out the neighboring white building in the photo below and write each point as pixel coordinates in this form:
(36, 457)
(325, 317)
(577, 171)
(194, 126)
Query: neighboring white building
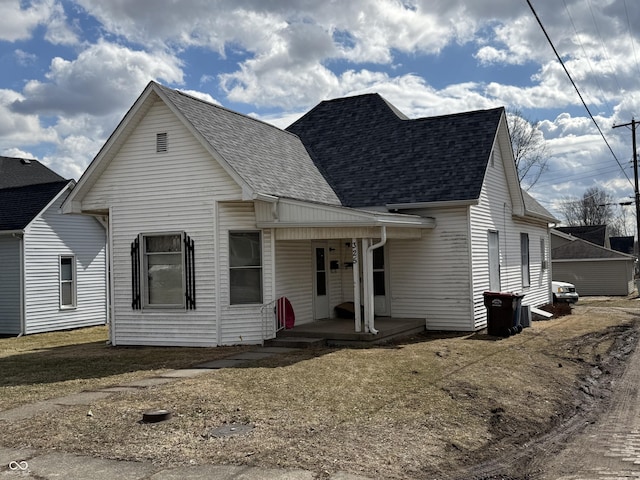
(593, 269)
(214, 215)
(53, 274)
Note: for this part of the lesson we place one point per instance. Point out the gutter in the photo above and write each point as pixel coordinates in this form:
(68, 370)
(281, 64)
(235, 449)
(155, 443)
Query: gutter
(370, 300)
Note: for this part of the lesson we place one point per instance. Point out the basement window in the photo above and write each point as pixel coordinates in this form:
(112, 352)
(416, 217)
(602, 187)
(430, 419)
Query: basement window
(161, 142)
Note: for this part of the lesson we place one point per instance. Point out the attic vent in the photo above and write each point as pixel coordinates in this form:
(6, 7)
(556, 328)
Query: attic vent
(25, 161)
(161, 142)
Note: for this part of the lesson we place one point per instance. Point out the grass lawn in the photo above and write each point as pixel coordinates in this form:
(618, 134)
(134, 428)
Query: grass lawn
(419, 408)
(49, 365)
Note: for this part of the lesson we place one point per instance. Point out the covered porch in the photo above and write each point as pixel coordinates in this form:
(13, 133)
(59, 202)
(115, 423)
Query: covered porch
(345, 261)
(341, 332)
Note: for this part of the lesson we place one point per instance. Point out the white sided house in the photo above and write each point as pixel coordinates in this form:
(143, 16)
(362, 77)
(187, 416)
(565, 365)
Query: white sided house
(53, 274)
(213, 216)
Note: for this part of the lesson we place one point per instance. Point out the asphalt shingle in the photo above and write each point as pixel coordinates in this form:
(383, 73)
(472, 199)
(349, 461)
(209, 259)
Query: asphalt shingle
(373, 156)
(269, 159)
(20, 205)
(19, 172)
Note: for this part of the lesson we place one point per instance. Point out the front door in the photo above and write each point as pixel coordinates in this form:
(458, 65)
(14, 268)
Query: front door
(380, 286)
(320, 281)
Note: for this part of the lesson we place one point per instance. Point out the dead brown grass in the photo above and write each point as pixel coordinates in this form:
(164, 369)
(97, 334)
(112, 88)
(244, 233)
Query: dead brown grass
(416, 409)
(49, 365)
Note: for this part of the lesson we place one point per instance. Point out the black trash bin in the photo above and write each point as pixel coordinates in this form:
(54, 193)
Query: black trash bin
(503, 313)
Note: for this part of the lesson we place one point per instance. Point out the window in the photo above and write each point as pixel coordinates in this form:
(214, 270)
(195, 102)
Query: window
(524, 253)
(161, 142)
(163, 271)
(67, 281)
(378, 271)
(245, 267)
(543, 254)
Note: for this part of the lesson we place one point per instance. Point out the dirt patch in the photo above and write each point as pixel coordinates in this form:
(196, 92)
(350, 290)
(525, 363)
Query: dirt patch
(433, 406)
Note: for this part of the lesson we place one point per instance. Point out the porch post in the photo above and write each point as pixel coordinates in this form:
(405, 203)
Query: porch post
(366, 284)
(356, 285)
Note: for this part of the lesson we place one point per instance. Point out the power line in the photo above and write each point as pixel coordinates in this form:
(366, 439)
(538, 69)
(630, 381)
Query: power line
(576, 88)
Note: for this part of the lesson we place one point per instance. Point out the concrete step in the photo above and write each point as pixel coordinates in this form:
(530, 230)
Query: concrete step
(295, 342)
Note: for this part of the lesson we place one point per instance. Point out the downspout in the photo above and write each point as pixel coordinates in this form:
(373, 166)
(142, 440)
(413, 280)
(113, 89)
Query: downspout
(370, 297)
(109, 279)
(23, 286)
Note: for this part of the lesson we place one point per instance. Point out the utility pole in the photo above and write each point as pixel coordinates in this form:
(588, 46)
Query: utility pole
(635, 176)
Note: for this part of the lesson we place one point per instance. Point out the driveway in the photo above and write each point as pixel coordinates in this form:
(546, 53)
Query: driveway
(608, 446)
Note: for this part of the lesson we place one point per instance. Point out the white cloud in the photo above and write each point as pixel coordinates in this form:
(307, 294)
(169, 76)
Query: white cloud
(17, 20)
(24, 58)
(20, 129)
(202, 96)
(58, 30)
(104, 78)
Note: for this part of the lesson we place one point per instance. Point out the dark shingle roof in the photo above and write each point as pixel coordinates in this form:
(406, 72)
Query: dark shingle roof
(18, 172)
(581, 249)
(20, 205)
(622, 244)
(372, 156)
(268, 159)
(596, 234)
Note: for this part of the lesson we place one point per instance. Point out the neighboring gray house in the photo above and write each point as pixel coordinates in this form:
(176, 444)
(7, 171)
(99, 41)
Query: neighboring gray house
(214, 215)
(593, 269)
(53, 265)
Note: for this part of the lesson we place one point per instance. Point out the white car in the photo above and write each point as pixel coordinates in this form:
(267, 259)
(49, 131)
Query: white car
(564, 292)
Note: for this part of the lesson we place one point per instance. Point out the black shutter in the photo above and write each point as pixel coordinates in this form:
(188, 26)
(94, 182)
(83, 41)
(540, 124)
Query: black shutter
(190, 273)
(136, 303)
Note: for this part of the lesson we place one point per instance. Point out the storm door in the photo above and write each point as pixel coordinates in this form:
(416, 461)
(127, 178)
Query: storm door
(320, 281)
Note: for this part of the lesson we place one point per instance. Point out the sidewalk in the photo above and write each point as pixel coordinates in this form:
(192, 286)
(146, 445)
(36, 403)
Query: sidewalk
(25, 464)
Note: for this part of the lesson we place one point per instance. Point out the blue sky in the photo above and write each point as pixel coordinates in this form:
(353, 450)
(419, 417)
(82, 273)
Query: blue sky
(71, 69)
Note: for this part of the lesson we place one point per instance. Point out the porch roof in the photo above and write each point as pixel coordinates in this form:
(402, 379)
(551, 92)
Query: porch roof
(296, 220)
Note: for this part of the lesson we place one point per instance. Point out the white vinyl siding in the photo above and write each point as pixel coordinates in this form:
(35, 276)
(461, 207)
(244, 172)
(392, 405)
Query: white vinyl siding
(596, 277)
(241, 323)
(430, 277)
(294, 277)
(177, 190)
(10, 284)
(495, 212)
(48, 238)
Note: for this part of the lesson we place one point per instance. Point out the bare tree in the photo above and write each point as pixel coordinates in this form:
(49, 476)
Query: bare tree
(594, 208)
(529, 148)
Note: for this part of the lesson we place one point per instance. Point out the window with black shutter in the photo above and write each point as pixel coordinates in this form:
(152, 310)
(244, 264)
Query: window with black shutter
(163, 271)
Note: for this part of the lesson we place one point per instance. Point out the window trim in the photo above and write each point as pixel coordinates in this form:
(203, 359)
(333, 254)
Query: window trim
(144, 292)
(73, 282)
(525, 260)
(253, 267)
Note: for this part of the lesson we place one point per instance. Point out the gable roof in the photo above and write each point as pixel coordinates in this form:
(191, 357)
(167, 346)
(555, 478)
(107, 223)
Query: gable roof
(26, 188)
(372, 156)
(264, 160)
(19, 206)
(270, 160)
(534, 208)
(20, 172)
(596, 234)
(580, 249)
